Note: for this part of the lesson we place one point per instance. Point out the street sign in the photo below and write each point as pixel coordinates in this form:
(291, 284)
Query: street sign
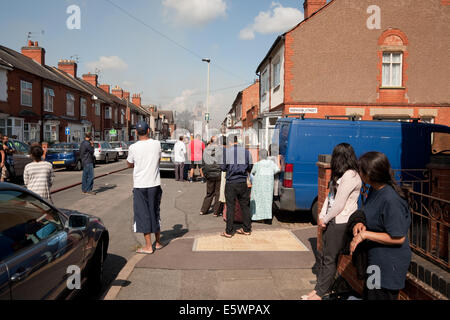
(113, 132)
(67, 131)
(207, 117)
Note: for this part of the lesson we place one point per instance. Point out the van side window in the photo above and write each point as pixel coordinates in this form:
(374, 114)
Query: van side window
(441, 143)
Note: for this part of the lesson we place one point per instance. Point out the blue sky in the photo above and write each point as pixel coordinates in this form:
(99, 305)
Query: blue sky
(235, 34)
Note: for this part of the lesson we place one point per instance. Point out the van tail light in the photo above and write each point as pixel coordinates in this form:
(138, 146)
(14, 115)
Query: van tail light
(288, 175)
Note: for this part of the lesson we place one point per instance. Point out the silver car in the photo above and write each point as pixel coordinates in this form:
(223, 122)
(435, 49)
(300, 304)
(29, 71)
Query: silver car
(105, 152)
(121, 147)
(21, 156)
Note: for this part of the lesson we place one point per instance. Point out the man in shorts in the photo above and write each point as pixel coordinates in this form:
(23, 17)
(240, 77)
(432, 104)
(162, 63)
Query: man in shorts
(144, 157)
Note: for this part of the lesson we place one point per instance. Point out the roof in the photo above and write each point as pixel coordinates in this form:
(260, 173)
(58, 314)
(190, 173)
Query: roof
(282, 37)
(19, 61)
(168, 114)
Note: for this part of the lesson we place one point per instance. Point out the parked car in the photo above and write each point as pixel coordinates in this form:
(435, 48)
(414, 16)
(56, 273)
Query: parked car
(408, 145)
(121, 147)
(104, 152)
(167, 156)
(21, 156)
(65, 155)
(38, 244)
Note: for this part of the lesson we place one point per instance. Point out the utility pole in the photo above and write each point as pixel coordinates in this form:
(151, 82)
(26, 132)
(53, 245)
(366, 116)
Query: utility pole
(207, 115)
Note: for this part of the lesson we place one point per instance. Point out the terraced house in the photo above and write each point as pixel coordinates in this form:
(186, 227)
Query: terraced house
(43, 103)
(367, 59)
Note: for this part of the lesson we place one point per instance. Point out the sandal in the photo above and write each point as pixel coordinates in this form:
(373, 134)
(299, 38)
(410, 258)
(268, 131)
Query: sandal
(226, 235)
(142, 251)
(242, 232)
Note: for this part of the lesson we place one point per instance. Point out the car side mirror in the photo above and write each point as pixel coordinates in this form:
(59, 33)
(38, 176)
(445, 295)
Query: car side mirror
(77, 222)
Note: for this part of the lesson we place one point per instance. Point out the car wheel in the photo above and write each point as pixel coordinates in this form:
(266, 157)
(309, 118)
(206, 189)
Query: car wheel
(117, 158)
(95, 275)
(79, 166)
(106, 159)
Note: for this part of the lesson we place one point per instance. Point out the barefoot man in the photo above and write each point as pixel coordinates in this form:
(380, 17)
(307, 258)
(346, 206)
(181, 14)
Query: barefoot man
(144, 157)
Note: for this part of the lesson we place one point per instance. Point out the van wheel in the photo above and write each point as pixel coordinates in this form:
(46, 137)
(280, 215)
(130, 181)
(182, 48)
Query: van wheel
(106, 159)
(314, 213)
(79, 166)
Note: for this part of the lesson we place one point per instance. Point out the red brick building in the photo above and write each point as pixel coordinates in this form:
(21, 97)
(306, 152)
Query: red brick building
(38, 102)
(338, 62)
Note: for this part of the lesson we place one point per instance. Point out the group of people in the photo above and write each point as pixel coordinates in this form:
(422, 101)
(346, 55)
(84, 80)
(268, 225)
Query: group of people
(376, 236)
(188, 152)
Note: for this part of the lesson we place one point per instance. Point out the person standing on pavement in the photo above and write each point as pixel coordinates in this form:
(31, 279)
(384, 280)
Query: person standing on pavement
(9, 159)
(38, 175)
(87, 160)
(180, 158)
(237, 165)
(196, 147)
(4, 172)
(144, 157)
(342, 201)
(213, 172)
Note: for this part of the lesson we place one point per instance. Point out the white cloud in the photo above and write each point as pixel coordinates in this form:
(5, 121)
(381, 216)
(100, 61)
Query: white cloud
(277, 19)
(194, 12)
(183, 102)
(108, 63)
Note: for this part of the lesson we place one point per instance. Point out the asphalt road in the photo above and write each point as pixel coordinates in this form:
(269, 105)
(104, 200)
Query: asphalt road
(113, 204)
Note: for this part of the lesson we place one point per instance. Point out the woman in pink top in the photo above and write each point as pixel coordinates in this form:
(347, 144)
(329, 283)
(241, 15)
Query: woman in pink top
(341, 203)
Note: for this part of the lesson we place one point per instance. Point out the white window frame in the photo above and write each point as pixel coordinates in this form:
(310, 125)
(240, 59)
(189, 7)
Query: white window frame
(276, 78)
(83, 107)
(70, 104)
(122, 117)
(98, 111)
(264, 82)
(116, 115)
(26, 90)
(49, 97)
(108, 113)
(132, 119)
(391, 63)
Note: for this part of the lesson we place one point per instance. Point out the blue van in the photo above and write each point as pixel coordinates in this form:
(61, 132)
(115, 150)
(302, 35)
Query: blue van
(407, 144)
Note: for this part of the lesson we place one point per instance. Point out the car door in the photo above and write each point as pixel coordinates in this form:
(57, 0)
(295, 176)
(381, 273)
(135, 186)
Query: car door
(38, 249)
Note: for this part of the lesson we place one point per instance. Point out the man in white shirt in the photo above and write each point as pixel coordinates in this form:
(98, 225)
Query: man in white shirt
(180, 158)
(144, 156)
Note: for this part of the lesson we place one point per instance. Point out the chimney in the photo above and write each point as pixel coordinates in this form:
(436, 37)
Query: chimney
(91, 78)
(105, 87)
(126, 95)
(33, 51)
(118, 92)
(312, 6)
(68, 66)
(137, 100)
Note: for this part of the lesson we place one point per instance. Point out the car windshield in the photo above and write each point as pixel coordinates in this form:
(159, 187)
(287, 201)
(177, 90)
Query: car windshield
(167, 147)
(115, 144)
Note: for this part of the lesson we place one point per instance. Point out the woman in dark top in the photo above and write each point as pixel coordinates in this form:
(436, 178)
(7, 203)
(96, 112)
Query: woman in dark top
(386, 231)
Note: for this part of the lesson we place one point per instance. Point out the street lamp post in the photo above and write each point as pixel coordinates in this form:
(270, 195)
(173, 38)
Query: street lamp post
(207, 98)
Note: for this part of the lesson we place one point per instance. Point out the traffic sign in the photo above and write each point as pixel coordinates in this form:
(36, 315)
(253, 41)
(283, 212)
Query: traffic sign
(113, 132)
(67, 131)
(207, 116)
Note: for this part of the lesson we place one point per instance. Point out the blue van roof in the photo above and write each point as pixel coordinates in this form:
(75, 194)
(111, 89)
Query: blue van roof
(435, 127)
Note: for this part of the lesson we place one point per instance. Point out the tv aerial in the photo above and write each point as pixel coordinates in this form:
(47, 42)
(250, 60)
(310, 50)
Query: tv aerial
(31, 34)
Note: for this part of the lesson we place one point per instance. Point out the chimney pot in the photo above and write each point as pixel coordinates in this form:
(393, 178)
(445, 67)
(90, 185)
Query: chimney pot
(30, 43)
(36, 44)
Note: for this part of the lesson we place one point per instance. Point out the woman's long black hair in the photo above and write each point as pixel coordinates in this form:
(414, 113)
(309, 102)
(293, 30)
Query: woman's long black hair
(342, 160)
(377, 168)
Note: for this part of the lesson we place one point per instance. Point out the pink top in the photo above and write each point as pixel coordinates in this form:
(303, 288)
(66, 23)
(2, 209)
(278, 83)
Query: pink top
(346, 199)
(197, 147)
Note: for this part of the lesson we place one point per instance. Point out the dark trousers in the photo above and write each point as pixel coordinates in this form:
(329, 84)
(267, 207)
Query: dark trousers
(240, 192)
(179, 171)
(381, 294)
(87, 183)
(333, 241)
(212, 191)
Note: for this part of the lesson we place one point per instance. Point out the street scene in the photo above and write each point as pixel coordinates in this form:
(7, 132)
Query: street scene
(222, 150)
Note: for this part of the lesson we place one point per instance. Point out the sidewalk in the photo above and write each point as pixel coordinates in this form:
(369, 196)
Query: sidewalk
(272, 264)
